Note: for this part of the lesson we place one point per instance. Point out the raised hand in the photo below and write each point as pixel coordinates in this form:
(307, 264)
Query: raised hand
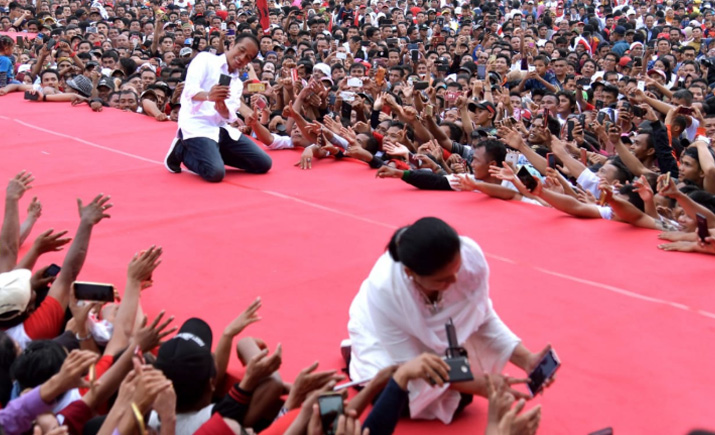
(95, 211)
(643, 188)
(18, 185)
(309, 380)
(149, 337)
(143, 264)
(260, 367)
(219, 93)
(34, 210)
(49, 241)
(249, 316)
(395, 149)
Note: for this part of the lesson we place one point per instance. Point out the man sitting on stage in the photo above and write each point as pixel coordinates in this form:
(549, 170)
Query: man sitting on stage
(206, 141)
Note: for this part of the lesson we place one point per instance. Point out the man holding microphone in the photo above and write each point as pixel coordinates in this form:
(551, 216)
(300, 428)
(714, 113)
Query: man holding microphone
(206, 142)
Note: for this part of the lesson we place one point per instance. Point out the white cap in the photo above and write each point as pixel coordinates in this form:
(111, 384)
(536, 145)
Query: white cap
(15, 292)
(323, 68)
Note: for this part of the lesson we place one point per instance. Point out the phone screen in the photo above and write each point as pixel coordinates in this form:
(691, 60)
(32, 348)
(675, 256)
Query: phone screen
(346, 110)
(526, 178)
(481, 71)
(543, 372)
(91, 291)
(569, 134)
(331, 408)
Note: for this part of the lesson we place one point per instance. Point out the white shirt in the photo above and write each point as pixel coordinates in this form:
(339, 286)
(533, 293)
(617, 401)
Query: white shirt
(390, 323)
(200, 118)
(186, 423)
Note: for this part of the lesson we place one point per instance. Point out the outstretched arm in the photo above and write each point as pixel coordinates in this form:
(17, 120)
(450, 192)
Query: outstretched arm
(10, 233)
(90, 215)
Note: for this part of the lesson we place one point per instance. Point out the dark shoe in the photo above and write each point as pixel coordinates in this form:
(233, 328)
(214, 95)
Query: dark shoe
(172, 161)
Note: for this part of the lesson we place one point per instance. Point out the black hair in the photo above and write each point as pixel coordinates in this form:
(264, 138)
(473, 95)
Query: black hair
(40, 360)
(633, 196)
(8, 354)
(623, 174)
(426, 246)
(494, 149)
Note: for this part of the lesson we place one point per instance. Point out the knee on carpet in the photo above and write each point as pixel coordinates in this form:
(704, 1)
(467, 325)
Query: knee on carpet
(213, 174)
(262, 166)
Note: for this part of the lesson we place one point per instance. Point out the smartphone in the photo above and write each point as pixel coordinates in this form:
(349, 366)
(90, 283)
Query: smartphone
(224, 80)
(551, 160)
(637, 111)
(703, 231)
(341, 56)
(52, 270)
(570, 126)
(32, 97)
(641, 85)
(91, 29)
(347, 96)
(543, 372)
(481, 71)
(223, 26)
(600, 117)
(346, 109)
(354, 82)
(51, 44)
(415, 55)
(599, 104)
(526, 178)
(585, 81)
(256, 87)
(331, 408)
(546, 116)
(531, 68)
(420, 85)
(440, 21)
(364, 43)
(21, 42)
(194, 44)
(685, 110)
(391, 41)
(261, 103)
(429, 110)
(512, 159)
(92, 291)
(414, 161)
(524, 64)
(413, 46)
(451, 96)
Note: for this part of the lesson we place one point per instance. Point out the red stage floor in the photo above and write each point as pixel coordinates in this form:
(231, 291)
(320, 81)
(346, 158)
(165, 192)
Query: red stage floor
(631, 323)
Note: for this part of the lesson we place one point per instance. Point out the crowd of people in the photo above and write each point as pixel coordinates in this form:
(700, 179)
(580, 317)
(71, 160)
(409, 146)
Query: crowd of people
(599, 109)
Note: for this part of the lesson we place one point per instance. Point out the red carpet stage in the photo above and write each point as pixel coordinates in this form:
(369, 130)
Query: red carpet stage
(634, 326)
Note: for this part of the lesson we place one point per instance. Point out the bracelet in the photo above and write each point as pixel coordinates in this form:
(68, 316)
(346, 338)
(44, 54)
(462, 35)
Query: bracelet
(139, 419)
(77, 336)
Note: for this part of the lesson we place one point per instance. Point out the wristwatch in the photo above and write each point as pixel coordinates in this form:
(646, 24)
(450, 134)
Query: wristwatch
(79, 338)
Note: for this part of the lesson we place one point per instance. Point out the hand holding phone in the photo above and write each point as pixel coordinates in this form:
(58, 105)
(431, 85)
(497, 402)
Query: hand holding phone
(92, 291)
(703, 231)
(331, 408)
(544, 371)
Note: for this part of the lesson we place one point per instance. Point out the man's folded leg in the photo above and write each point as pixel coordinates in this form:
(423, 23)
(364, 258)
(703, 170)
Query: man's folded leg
(201, 155)
(244, 154)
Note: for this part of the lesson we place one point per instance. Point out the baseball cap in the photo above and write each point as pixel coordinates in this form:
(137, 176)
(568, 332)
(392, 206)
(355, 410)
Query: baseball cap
(186, 359)
(323, 68)
(620, 30)
(186, 51)
(656, 71)
(624, 61)
(81, 84)
(487, 105)
(15, 293)
(106, 82)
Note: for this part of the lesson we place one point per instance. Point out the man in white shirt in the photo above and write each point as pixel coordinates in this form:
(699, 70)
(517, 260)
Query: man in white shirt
(206, 141)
